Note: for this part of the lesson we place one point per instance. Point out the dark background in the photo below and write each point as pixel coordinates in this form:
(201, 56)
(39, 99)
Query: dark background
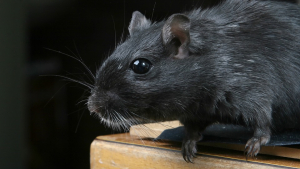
(44, 119)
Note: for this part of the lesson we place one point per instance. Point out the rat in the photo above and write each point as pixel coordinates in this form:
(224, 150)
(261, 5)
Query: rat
(235, 63)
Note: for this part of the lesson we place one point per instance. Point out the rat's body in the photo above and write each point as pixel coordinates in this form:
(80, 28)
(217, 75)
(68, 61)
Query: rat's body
(236, 63)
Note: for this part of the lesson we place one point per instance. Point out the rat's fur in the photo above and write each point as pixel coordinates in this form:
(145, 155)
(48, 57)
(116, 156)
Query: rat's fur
(236, 63)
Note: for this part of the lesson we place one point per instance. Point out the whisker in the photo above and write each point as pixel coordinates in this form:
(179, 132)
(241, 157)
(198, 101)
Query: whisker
(55, 94)
(80, 76)
(72, 80)
(78, 56)
(76, 111)
(79, 122)
(84, 100)
(79, 60)
(153, 11)
(72, 52)
(77, 50)
(135, 121)
(123, 23)
(115, 31)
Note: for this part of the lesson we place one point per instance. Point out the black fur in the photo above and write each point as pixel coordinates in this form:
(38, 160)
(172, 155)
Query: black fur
(236, 63)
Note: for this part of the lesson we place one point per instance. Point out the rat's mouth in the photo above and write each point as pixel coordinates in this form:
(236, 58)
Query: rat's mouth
(93, 109)
(93, 105)
(116, 120)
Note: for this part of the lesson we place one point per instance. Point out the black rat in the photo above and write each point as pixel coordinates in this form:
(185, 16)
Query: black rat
(235, 63)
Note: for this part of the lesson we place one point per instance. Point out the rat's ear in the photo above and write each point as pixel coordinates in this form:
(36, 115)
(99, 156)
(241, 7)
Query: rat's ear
(176, 35)
(138, 22)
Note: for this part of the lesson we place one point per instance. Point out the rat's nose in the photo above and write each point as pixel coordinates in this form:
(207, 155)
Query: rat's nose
(93, 105)
(100, 100)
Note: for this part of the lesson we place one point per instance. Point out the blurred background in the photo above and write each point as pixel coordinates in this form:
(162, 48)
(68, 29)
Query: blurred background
(44, 121)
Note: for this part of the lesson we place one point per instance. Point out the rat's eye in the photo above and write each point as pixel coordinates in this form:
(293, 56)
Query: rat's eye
(141, 66)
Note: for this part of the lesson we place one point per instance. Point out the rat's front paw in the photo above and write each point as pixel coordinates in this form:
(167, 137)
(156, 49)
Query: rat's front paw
(189, 146)
(252, 147)
(189, 149)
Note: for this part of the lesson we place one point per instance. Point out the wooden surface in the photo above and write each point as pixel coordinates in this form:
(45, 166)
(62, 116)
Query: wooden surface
(153, 130)
(125, 151)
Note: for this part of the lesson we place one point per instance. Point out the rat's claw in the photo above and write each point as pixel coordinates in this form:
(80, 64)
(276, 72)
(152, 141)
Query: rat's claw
(194, 155)
(190, 159)
(184, 157)
(253, 145)
(189, 150)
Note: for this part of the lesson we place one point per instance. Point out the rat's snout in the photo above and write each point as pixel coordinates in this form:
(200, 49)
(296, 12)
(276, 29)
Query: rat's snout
(93, 105)
(99, 102)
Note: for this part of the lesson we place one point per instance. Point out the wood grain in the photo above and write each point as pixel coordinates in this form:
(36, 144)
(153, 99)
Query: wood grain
(125, 151)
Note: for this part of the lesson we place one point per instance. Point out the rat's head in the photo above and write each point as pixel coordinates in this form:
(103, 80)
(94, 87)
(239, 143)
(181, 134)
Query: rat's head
(143, 78)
